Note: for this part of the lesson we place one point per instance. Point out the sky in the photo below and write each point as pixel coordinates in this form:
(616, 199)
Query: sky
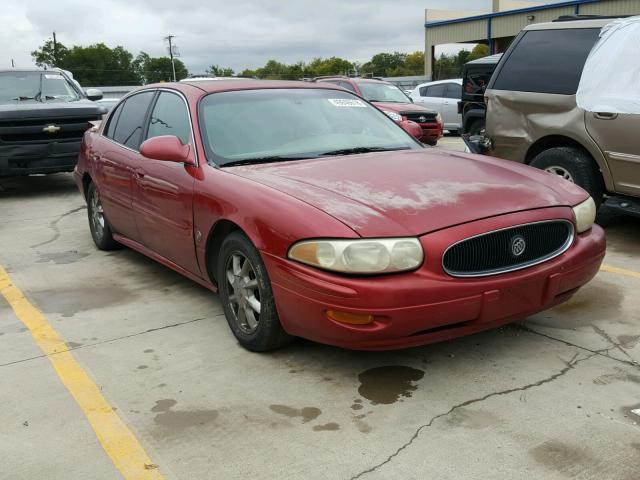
(240, 34)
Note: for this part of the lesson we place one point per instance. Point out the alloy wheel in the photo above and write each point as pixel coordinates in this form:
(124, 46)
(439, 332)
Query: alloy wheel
(561, 172)
(97, 215)
(243, 292)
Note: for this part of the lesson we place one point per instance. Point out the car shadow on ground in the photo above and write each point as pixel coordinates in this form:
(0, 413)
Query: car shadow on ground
(33, 186)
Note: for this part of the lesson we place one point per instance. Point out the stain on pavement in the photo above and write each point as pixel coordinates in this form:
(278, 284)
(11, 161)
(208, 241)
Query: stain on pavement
(386, 385)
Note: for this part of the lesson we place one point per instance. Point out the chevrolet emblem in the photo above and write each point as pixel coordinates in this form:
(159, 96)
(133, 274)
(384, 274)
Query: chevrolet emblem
(51, 129)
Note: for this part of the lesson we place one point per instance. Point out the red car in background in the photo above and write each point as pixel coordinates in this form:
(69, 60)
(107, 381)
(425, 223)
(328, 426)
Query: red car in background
(315, 215)
(394, 102)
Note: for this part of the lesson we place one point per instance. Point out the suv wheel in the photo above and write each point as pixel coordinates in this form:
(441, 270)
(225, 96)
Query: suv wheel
(247, 299)
(573, 165)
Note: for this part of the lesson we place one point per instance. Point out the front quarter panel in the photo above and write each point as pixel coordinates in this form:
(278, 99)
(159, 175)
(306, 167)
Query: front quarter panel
(271, 219)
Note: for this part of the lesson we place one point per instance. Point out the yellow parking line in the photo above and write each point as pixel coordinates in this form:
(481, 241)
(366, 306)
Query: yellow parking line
(117, 440)
(620, 271)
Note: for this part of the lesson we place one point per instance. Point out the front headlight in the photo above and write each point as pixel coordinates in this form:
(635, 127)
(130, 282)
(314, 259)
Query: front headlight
(396, 117)
(360, 256)
(585, 214)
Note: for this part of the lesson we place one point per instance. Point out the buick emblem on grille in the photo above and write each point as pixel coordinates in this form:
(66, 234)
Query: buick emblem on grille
(422, 119)
(518, 245)
(51, 129)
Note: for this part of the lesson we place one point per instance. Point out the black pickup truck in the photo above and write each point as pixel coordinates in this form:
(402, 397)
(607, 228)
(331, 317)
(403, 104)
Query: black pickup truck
(43, 115)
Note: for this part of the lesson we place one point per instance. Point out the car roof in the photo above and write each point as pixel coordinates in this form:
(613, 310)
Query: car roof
(491, 59)
(31, 69)
(587, 23)
(213, 86)
(438, 82)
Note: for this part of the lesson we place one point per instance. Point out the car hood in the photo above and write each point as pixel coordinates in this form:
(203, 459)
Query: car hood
(413, 192)
(33, 109)
(403, 107)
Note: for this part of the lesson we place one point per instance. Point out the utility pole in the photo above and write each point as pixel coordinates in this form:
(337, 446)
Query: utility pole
(55, 50)
(173, 67)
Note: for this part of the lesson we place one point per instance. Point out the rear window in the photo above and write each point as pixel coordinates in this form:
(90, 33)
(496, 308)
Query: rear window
(547, 61)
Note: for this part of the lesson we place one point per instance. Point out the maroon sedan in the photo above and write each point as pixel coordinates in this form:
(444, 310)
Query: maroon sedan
(393, 101)
(315, 215)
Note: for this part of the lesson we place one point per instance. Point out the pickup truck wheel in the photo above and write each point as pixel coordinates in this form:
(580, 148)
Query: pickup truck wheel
(247, 299)
(573, 165)
(98, 224)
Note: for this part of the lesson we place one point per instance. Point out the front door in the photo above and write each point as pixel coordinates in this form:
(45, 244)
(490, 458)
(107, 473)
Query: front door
(615, 134)
(164, 200)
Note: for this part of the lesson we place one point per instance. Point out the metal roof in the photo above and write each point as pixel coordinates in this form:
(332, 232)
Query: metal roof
(486, 16)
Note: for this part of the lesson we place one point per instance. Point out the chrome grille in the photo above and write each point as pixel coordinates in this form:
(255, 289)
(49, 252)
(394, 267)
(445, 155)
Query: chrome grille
(508, 249)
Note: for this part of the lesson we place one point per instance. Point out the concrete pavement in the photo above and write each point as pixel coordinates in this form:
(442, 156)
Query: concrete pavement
(550, 398)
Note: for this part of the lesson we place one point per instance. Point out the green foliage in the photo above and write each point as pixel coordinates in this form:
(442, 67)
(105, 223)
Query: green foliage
(450, 66)
(220, 71)
(158, 69)
(99, 65)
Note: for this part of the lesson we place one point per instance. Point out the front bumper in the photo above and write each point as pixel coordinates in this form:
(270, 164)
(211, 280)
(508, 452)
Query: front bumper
(427, 305)
(51, 157)
(431, 132)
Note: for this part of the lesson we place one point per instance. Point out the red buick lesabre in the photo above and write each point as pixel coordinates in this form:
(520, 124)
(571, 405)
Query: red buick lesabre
(315, 215)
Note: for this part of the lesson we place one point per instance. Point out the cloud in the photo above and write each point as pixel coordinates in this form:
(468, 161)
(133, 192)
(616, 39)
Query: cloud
(238, 34)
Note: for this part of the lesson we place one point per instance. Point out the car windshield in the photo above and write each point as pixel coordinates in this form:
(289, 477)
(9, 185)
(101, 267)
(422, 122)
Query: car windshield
(35, 86)
(291, 124)
(382, 92)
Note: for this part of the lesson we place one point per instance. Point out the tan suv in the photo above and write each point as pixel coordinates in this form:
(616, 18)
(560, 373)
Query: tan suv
(532, 115)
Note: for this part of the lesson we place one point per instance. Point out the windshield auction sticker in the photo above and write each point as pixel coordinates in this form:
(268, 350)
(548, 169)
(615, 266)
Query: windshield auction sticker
(347, 102)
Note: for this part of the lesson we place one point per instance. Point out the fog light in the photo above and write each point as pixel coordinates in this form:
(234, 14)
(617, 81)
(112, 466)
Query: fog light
(352, 318)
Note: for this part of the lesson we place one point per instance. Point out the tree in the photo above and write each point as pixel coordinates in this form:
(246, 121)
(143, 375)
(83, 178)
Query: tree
(45, 56)
(385, 64)
(158, 69)
(220, 71)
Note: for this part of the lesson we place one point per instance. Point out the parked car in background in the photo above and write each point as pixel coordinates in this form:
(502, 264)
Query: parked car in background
(533, 117)
(443, 97)
(43, 115)
(475, 78)
(394, 102)
(314, 215)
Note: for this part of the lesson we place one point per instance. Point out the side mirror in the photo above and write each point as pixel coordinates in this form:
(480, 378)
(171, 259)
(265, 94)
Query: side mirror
(168, 148)
(93, 94)
(412, 128)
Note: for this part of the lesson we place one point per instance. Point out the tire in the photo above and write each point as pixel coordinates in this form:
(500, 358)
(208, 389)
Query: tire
(476, 127)
(98, 224)
(574, 165)
(256, 326)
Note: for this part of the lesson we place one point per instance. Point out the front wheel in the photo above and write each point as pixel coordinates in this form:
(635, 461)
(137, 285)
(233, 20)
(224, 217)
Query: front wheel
(247, 299)
(573, 165)
(98, 224)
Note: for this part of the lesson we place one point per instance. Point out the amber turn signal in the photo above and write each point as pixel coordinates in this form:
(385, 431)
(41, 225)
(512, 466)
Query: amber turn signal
(352, 318)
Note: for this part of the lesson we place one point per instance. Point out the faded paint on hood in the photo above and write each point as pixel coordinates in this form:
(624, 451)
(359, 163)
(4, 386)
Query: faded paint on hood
(413, 192)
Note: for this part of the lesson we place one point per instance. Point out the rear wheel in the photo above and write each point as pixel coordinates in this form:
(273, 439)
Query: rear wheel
(247, 299)
(574, 165)
(98, 224)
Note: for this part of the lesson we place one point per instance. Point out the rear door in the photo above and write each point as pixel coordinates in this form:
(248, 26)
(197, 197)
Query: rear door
(616, 135)
(116, 157)
(432, 96)
(452, 96)
(164, 201)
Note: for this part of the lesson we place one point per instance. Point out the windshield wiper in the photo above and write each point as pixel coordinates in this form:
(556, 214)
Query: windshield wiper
(356, 150)
(268, 159)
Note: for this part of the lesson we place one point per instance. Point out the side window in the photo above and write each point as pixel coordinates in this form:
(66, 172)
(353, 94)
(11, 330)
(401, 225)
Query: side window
(436, 90)
(453, 91)
(348, 86)
(170, 117)
(547, 61)
(131, 120)
(113, 121)
(423, 91)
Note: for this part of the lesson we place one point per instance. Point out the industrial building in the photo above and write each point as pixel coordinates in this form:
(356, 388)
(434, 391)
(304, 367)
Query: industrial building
(498, 28)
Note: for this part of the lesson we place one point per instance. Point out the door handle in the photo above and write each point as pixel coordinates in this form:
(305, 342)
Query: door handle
(139, 174)
(605, 115)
